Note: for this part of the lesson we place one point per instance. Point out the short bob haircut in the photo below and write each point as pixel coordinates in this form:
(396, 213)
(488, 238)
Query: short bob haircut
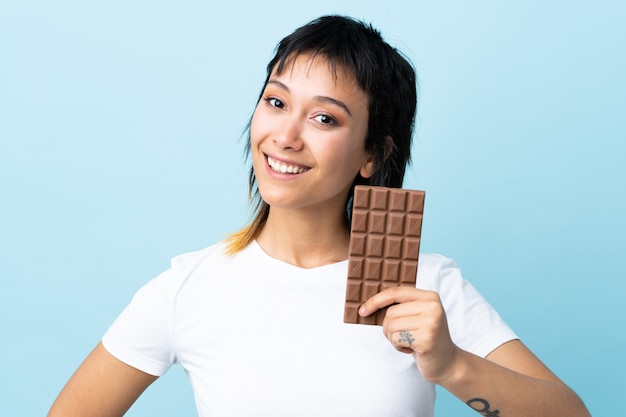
(381, 71)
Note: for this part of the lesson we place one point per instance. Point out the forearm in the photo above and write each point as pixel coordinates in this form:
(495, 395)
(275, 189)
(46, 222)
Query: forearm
(495, 391)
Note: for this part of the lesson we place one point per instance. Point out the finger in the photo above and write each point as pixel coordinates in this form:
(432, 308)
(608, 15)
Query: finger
(392, 326)
(425, 309)
(410, 308)
(404, 338)
(404, 341)
(394, 295)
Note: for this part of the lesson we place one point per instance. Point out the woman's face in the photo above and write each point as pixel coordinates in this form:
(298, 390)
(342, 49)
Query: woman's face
(308, 136)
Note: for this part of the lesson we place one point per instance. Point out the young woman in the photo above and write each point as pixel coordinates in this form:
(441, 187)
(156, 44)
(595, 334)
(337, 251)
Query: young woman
(256, 321)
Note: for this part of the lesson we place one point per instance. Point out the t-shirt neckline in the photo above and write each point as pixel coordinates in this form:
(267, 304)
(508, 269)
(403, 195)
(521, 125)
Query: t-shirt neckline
(255, 246)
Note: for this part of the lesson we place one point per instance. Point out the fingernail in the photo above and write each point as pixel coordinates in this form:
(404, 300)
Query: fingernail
(362, 310)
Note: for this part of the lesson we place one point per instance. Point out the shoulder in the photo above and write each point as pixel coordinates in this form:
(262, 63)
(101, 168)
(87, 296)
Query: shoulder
(442, 275)
(433, 269)
(188, 261)
(210, 261)
(182, 267)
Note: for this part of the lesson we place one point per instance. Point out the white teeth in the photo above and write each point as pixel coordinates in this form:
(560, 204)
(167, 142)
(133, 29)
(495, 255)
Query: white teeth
(285, 168)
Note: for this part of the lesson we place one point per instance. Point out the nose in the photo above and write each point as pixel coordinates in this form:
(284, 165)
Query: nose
(288, 134)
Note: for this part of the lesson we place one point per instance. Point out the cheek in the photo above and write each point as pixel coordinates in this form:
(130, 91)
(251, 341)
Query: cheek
(353, 151)
(343, 160)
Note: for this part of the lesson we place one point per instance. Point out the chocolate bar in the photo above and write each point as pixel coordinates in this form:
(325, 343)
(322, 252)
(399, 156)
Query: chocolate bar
(384, 245)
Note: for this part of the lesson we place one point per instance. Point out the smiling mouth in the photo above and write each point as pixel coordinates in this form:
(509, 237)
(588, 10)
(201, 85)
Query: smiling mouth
(285, 168)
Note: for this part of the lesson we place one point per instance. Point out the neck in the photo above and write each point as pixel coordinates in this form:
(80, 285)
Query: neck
(307, 240)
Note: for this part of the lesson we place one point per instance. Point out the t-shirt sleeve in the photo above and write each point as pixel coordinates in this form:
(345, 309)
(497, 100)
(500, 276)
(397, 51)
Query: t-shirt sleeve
(141, 336)
(474, 324)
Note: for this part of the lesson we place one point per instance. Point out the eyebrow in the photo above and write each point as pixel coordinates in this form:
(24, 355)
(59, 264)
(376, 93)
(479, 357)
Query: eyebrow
(321, 99)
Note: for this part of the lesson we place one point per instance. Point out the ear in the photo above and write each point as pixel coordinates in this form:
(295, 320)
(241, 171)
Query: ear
(367, 169)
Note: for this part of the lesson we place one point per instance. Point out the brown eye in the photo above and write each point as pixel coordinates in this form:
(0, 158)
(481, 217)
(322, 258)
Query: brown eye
(274, 102)
(325, 119)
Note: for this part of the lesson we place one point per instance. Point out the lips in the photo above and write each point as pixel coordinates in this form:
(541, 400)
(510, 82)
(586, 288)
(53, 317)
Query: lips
(285, 167)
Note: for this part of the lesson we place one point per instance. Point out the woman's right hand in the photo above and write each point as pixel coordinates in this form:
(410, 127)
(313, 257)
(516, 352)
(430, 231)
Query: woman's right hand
(103, 386)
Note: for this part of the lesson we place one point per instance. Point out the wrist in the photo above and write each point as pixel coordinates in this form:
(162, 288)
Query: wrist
(457, 371)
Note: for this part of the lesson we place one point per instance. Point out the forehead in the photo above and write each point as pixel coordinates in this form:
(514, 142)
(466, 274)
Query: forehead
(341, 74)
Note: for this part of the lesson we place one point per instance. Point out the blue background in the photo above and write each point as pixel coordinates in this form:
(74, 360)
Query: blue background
(119, 148)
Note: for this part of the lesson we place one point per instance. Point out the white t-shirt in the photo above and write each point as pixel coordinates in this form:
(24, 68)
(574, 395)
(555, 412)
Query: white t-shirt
(260, 337)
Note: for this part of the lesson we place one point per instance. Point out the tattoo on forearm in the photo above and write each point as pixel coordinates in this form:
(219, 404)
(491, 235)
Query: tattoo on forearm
(407, 337)
(483, 407)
